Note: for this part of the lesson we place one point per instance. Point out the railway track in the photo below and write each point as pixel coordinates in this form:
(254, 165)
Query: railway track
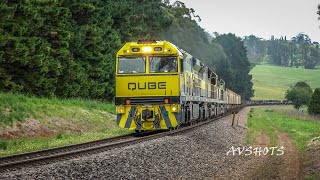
(92, 147)
(55, 153)
(79, 150)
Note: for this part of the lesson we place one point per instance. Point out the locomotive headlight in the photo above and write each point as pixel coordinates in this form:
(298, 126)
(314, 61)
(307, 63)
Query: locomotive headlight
(120, 110)
(174, 108)
(147, 49)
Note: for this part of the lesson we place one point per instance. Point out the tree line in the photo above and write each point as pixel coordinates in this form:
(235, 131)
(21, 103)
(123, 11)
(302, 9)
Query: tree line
(66, 48)
(295, 52)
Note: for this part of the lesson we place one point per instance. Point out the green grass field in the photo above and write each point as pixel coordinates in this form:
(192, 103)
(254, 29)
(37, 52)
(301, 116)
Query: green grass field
(64, 121)
(271, 82)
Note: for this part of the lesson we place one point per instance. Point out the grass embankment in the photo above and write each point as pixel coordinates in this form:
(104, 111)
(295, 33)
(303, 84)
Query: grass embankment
(30, 123)
(271, 120)
(271, 82)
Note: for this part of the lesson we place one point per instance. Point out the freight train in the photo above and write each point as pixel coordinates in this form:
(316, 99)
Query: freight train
(267, 102)
(160, 86)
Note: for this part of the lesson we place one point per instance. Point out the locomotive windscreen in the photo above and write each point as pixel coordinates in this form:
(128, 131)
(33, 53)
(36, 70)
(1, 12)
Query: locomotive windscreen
(127, 65)
(163, 64)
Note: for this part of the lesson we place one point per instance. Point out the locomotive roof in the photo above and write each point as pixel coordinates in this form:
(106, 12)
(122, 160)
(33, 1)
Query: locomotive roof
(165, 48)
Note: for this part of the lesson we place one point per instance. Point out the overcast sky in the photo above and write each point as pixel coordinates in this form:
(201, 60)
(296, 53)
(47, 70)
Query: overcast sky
(262, 18)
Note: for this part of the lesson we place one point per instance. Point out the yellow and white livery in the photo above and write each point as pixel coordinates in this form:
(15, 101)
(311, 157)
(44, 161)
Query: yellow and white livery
(159, 86)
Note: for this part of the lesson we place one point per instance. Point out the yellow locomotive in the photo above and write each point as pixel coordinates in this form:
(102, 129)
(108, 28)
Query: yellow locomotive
(159, 86)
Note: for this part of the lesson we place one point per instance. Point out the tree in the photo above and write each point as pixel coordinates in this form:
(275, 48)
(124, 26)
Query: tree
(312, 58)
(302, 84)
(279, 51)
(299, 94)
(240, 79)
(314, 106)
(293, 53)
(257, 49)
(302, 38)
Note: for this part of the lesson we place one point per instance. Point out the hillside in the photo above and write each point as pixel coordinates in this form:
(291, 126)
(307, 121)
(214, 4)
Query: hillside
(271, 82)
(29, 123)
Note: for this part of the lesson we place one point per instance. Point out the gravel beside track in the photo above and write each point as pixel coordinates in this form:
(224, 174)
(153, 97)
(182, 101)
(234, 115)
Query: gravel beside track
(198, 154)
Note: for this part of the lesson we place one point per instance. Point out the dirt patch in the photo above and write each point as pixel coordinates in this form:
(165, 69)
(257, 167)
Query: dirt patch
(68, 126)
(283, 165)
(29, 128)
(262, 140)
(290, 161)
(50, 126)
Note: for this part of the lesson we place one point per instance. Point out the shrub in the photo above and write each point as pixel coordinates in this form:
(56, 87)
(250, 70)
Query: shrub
(59, 136)
(299, 94)
(314, 106)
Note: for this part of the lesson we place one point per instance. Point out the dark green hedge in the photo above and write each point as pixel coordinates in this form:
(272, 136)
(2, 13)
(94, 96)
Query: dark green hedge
(67, 48)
